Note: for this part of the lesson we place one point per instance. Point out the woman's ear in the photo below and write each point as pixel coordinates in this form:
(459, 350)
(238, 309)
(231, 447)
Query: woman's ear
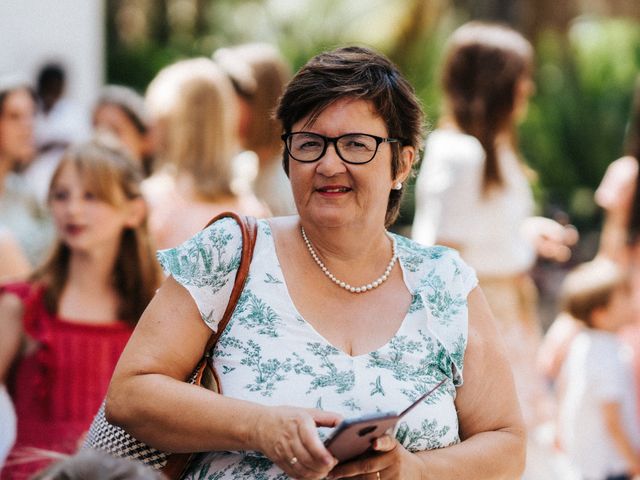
(407, 159)
(137, 212)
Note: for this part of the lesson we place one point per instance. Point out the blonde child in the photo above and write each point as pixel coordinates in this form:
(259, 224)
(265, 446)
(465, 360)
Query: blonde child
(75, 314)
(597, 418)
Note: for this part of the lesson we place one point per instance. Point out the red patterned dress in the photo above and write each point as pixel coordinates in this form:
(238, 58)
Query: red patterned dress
(58, 388)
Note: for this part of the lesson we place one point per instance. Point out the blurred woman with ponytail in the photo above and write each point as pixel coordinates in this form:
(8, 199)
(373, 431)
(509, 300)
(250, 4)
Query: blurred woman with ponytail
(473, 191)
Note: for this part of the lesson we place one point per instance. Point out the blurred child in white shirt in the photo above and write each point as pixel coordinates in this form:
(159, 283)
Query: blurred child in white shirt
(597, 418)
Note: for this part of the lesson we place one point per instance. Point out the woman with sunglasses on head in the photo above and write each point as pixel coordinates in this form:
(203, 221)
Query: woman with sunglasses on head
(339, 318)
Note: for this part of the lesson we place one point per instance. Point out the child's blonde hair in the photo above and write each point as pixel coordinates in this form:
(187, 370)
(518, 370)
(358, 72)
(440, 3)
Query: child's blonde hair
(590, 286)
(113, 177)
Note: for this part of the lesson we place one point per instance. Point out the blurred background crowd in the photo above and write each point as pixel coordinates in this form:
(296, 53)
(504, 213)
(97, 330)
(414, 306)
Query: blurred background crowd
(161, 110)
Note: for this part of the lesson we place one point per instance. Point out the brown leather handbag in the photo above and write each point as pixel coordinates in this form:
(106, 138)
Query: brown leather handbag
(109, 438)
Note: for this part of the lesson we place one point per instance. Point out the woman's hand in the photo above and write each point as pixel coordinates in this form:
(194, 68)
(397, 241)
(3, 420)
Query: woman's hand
(289, 437)
(551, 239)
(390, 461)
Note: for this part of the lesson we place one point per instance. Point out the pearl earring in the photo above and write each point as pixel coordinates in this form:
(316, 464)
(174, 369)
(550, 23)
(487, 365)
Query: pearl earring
(397, 186)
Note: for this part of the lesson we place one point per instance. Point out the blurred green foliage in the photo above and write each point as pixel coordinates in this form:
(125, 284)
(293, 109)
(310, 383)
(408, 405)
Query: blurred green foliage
(575, 124)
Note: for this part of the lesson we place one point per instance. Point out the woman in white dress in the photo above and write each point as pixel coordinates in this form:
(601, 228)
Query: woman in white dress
(338, 318)
(473, 191)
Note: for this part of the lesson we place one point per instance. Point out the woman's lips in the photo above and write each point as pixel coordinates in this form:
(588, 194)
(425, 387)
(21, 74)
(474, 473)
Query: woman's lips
(74, 229)
(333, 190)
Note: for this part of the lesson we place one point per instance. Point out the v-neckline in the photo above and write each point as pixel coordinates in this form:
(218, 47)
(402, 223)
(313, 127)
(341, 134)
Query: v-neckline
(310, 327)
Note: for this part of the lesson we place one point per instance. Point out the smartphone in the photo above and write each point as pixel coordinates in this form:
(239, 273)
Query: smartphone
(354, 436)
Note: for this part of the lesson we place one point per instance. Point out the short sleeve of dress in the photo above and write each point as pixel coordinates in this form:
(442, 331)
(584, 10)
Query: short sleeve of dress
(22, 290)
(206, 266)
(441, 281)
(450, 310)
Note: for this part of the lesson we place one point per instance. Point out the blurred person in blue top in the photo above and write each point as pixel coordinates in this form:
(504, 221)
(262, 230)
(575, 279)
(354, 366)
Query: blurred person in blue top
(20, 212)
(338, 318)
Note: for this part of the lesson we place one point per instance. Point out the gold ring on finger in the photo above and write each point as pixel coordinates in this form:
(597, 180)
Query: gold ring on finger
(294, 460)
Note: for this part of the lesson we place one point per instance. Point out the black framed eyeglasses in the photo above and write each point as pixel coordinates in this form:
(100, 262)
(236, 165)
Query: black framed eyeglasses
(355, 148)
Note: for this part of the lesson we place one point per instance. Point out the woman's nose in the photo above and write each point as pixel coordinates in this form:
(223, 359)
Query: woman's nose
(74, 205)
(330, 163)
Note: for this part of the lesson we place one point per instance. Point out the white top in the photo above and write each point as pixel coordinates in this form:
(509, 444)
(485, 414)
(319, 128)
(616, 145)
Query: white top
(451, 207)
(66, 122)
(597, 370)
(272, 187)
(269, 354)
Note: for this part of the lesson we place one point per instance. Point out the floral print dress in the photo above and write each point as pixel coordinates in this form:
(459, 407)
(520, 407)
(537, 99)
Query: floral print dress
(270, 355)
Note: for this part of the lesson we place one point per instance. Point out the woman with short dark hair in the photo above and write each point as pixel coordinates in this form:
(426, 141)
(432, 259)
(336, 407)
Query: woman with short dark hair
(339, 318)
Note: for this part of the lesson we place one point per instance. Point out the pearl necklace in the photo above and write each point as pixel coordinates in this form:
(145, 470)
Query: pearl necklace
(364, 288)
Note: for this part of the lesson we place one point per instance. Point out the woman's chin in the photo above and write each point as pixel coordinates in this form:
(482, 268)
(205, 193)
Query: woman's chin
(328, 219)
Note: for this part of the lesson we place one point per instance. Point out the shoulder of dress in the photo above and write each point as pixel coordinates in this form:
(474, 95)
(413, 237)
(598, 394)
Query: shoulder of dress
(417, 258)
(23, 289)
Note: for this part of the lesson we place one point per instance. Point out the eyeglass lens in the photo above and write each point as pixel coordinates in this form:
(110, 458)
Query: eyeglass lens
(356, 148)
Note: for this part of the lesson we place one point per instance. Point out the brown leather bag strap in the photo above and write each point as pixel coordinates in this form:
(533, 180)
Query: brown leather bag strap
(178, 463)
(249, 229)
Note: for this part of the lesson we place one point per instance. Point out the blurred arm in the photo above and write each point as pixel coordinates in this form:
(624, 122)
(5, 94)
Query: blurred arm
(11, 311)
(615, 427)
(148, 396)
(13, 262)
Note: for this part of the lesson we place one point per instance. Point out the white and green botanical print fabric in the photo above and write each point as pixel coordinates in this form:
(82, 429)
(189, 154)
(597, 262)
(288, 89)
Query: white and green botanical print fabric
(271, 355)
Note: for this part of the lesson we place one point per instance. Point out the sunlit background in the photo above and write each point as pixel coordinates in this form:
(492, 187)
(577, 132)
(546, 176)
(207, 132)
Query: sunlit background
(588, 56)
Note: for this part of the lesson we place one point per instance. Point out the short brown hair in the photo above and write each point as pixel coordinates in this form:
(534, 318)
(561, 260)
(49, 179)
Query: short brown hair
(363, 74)
(590, 286)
